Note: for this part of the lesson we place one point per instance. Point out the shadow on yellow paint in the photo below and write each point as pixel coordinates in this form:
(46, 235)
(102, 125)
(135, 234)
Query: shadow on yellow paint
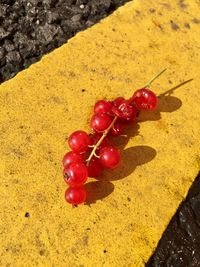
(132, 157)
(98, 190)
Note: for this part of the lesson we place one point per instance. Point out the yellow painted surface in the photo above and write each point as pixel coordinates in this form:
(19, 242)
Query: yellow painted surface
(44, 104)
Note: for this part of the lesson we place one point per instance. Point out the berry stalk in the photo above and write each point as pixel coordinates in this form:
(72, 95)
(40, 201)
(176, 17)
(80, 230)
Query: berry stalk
(93, 153)
(155, 77)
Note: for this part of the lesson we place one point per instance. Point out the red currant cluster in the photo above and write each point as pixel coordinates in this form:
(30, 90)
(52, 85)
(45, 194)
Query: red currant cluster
(92, 152)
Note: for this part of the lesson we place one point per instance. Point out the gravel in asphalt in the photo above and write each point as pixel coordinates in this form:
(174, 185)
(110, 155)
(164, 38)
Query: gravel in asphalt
(31, 28)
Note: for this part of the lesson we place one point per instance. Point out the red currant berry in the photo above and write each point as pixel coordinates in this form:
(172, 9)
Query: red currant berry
(79, 141)
(94, 168)
(75, 195)
(72, 157)
(75, 174)
(109, 157)
(135, 113)
(103, 106)
(95, 138)
(118, 101)
(144, 99)
(124, 110)
(117, 128)
(100, 122)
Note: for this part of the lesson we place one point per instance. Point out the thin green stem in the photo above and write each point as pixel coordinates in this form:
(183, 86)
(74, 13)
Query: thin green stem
(93, 153)
(155, 77)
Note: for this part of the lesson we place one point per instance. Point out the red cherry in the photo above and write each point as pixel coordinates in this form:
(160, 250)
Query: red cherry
(124, 110)
(109, 157)
(75, 174)
(79, 141)
(144, 99)
(95, 138)
(71, 157)
(103, 106)
(75, 195)
(94, 168)
(100, 122)
(117, 128)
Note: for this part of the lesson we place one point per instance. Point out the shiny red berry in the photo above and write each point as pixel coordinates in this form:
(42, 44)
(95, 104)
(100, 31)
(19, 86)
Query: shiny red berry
(94, 167)
(72, 157)
(135, 113)
(118, 128)
(144, 99)
(100, 122)
(103, 106)
(109, 157)
(75, 195)
(79, 141)
(117, 101)
(124, 110)
(75, 174)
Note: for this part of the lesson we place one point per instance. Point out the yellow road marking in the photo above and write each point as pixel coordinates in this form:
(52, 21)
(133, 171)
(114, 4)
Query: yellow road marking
(41, 106)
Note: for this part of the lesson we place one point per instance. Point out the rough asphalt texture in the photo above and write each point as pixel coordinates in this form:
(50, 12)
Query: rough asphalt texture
(180, 244)
(32, 28)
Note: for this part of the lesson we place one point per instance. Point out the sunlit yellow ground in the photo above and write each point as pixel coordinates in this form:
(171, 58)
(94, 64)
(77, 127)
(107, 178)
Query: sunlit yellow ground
(161, 156)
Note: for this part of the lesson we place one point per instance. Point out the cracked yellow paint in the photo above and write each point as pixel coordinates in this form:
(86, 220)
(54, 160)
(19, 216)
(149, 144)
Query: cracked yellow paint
(41, 106)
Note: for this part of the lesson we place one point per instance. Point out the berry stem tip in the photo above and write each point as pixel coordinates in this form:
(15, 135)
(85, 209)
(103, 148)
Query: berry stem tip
(154, 78)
